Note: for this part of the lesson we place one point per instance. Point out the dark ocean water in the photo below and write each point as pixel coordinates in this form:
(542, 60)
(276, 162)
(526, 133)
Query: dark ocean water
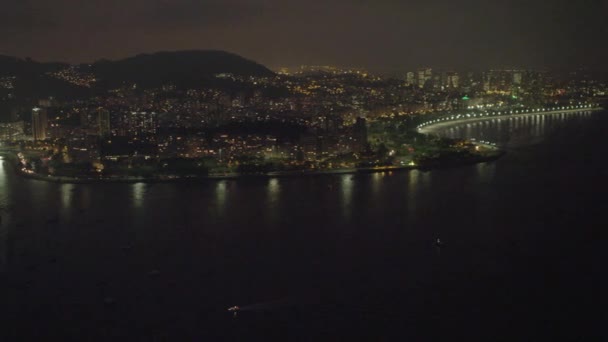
(345, 257)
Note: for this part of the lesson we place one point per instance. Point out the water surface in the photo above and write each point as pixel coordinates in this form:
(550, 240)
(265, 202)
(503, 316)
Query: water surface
(323, 258)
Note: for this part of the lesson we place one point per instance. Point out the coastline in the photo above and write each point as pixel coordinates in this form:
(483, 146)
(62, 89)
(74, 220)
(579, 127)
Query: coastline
(425, 128)
(438, 164)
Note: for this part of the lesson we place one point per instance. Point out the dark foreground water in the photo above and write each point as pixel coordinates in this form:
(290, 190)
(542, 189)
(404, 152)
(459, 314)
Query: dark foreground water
(349, 257)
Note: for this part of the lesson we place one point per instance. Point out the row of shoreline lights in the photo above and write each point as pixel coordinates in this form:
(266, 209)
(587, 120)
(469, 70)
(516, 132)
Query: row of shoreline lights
(523, 111)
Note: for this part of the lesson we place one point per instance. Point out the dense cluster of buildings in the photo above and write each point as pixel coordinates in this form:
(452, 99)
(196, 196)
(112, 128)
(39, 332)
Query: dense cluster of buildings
(74, 75)
(310, 114)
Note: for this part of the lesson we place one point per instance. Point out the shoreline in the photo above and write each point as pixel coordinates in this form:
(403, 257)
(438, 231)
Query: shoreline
(427, 128)
(438, 164)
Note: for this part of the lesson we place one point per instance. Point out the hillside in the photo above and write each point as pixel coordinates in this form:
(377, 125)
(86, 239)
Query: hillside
(180, 68)
(13, 66)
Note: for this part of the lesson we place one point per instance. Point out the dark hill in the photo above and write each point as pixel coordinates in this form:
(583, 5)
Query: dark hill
(32, 82)
(180, 68)
(13, 66)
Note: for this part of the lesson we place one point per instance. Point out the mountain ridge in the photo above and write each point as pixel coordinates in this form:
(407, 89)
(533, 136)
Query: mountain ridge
(181, 67)
(148, 69)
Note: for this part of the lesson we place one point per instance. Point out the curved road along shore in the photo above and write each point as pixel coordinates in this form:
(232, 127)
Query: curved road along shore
(427, 128)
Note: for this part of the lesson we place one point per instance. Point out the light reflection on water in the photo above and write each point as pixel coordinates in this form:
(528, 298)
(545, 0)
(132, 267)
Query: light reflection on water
(3, 183)
(220, 196)
(542, 125)
(511, 131)
(67, 194)
(274, 191)
(418, 181)
(377, 179)
(230, 236)
(347, 185)
(273, 195)
(139, 190)
(412, 189)
(4, 215)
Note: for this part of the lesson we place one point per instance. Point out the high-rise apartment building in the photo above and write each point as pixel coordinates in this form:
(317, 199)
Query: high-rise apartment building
(103, 122)
(452, 80)
(39, 123)
(517, 77)
(424, 75)
(410, 78)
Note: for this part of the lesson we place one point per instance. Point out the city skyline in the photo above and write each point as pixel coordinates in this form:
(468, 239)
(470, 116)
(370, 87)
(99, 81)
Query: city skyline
(200, 117)
(289, 170)
(379, 35)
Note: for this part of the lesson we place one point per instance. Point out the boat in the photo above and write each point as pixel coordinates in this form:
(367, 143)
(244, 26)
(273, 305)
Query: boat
(235, 310)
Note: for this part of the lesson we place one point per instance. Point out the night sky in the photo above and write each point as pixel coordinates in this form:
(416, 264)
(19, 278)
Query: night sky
(380, 34)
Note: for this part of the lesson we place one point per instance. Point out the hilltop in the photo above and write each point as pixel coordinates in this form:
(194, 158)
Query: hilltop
(179, 67)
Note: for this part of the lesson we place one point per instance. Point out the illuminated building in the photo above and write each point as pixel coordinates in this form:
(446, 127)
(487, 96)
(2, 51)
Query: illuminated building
(452, 80)
(309, 145)
(39, 123)
(410, 78)
(87, 119)
(142, 123)
(421, 78)
(103, 121)
(517, 77)
(424, 75)
(436, 81)
(428, 73)
(11, 131)
(486, 81)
